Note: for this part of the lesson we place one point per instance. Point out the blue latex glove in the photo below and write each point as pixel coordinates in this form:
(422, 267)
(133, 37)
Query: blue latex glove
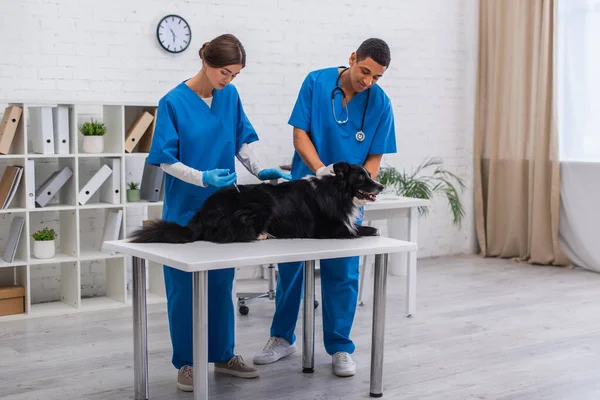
(218, 177)
(272, 173)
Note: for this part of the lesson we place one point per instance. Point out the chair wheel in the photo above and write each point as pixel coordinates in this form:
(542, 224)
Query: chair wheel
(316, 304)
(244, 310)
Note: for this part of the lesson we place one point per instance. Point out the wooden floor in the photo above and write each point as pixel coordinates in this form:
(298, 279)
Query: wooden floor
(484, 329)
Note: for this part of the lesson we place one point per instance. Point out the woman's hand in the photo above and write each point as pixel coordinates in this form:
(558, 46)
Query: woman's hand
(272, 173)
(218, 177)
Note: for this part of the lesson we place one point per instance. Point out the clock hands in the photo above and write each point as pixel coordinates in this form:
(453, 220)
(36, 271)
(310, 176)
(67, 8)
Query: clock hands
(173, 34)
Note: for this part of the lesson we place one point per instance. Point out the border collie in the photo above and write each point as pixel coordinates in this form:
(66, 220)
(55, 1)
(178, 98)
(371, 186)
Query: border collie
(310, 208)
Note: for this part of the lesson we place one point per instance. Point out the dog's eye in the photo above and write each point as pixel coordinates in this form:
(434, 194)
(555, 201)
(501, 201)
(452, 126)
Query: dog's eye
(362, 178)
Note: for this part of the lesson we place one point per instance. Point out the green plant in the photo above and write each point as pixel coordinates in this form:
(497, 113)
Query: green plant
(439, 182)
(133, 185)
(92, 128)
(44, 234)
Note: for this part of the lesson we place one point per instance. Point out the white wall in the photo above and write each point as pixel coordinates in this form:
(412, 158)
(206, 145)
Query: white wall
(67, 50)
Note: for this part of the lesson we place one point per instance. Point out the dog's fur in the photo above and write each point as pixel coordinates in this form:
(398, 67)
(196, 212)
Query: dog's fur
(306, 208)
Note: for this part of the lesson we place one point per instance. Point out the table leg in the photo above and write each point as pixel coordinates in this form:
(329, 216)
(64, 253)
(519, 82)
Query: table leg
(200, 328)
(140, 330)
(378, 332)
(411, 276)
(362, 270)
(308, 345)
(272, 280)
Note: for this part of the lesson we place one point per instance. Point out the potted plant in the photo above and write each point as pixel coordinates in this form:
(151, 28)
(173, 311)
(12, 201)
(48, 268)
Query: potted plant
(424, 184)
(418, 185)
(93, 136)
(133, 192)
(43, 244)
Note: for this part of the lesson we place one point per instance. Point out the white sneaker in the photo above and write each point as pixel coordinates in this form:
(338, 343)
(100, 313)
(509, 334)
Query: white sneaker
(342, 364)
(275, 349)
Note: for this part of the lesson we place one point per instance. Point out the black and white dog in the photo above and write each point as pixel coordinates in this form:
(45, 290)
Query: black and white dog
(324, 208)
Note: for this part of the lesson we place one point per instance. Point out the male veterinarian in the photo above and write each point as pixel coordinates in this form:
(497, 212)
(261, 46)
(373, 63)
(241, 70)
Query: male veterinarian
(341, 114)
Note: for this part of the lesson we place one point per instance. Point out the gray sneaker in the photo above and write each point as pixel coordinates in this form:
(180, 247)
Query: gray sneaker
(184, 379)
(236, 367)
(275, 349)
(342, 364)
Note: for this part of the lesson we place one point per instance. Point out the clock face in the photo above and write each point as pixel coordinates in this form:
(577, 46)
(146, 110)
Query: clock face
(174, 33)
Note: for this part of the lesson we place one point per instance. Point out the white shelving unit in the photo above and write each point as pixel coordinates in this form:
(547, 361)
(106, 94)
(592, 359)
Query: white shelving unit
(72, 221)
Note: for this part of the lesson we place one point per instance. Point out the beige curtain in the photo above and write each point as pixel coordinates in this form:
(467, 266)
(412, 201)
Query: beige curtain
(516, 165)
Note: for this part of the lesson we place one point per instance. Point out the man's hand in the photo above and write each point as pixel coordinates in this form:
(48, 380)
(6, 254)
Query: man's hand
(325, 171)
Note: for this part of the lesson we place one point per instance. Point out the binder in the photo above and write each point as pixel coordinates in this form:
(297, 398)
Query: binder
(14, 186)
(14, 236)
(145, 141)
(112, 228)
(152, 180)
(110, 191)
(93, 184)
(30, 184)
(42, 130)
(137, 129)
(8, 127)
(52, 185)
(7, 184)
(60, 119)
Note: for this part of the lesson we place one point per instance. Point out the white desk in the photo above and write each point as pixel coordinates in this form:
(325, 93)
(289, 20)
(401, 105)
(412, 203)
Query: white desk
(200, 257)
(391, 208)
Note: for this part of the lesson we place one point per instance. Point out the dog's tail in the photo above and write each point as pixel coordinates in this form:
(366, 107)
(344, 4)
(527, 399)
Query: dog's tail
(160, 231)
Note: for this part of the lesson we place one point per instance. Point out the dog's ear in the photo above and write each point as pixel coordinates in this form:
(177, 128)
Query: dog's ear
(341, 168)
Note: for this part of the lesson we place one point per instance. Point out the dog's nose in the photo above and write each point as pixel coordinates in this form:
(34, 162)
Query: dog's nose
(379, 187)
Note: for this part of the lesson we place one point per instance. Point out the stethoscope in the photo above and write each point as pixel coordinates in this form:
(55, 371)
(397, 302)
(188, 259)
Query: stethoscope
(360, 135)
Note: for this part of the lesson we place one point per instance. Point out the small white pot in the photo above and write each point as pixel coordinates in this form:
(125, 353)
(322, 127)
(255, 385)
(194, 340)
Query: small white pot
(93, 144)
(44, 248)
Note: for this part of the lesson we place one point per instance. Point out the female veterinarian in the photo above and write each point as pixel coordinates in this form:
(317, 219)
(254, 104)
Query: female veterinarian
(201, 127)
(341, 114)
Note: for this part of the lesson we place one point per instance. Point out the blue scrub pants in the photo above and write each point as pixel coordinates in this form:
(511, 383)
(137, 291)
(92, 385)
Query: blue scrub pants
(221, 322)
(339, 293)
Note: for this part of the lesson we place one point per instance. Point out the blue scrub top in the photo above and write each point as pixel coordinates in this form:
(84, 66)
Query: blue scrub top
(189, 131)
(337, 142)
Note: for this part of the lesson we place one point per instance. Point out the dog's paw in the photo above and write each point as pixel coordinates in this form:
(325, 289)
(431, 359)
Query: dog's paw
(265, 236)
(367, 231)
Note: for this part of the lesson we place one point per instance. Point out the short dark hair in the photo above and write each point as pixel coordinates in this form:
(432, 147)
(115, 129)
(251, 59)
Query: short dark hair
(223, 50)
(375, 48)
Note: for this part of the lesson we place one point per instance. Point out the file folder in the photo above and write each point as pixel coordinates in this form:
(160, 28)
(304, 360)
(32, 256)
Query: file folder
(42, 130)
(152, 180)
(112, 228)
(30, 184)
(94, 184)
(7, 182)
(110, 191)
(60, 119)
(145, 141)
(14, 236)
(14, 186)
(52, 185)
(8, 127)
(136, 130)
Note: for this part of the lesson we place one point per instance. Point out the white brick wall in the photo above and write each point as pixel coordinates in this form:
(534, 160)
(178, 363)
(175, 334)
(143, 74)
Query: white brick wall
(67, 50)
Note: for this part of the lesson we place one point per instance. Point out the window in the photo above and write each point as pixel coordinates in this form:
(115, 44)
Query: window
(577, 63)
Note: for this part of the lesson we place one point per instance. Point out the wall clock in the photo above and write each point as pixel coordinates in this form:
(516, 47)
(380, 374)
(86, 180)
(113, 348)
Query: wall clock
(173, 33)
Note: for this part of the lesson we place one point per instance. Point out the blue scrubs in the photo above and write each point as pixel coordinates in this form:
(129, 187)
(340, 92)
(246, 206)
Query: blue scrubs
(334, 142)
(201, 137)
